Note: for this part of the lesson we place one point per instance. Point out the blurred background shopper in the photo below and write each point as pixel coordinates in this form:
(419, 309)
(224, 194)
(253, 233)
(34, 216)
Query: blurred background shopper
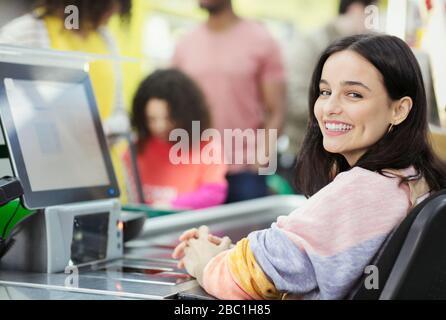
(168, 100)
(239, 66)
(45, 27)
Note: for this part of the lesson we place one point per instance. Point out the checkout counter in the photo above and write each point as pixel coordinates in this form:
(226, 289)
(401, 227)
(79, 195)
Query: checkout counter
(146, 270)
(71, 244)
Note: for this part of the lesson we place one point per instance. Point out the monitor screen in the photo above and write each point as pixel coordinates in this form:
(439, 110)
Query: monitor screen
(59, 145)
(54, 135)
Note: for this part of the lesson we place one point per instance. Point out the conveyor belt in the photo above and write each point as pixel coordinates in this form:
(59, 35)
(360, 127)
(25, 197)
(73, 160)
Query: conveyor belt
(147, 270)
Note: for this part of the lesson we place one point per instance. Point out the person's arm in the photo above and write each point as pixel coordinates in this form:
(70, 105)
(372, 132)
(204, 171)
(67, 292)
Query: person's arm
(274, 100)
(196, 251)
(318, 251)
(213, 187)
(272, 82)
(27, 31)
(272, 87)
(175, 61)
(273, 93)
(234, 274)
(205, 196)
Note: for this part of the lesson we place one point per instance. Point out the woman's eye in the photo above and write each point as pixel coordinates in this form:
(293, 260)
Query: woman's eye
(354, 95)
(324, 92)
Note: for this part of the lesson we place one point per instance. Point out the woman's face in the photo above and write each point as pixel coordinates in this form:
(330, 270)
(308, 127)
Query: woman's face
(158, 119)
(353, 109)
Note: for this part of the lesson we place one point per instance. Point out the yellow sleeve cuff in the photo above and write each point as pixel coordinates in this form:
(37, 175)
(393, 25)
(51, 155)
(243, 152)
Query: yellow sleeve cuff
(249, 275)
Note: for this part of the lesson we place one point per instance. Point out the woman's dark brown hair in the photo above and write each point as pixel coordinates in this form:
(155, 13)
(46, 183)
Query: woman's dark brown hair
(406, 145)
(185, 101)
(91, 12)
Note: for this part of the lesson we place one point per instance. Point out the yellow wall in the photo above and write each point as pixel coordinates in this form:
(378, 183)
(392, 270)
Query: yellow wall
(129, 37)
(306, 14)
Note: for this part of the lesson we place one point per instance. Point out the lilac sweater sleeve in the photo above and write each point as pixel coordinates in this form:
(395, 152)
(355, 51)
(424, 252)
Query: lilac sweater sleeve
(207, 195)
(322, 248)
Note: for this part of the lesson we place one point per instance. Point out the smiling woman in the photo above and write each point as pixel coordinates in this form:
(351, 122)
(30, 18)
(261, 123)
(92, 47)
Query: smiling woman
(368, 109)
(366, 162)
(354, 114)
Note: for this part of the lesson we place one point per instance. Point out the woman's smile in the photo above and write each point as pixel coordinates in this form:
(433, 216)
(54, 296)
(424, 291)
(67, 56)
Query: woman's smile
(337, 128)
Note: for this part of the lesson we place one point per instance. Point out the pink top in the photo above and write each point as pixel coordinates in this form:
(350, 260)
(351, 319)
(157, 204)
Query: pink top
(322, 248)
(229, 67)
(184, 186)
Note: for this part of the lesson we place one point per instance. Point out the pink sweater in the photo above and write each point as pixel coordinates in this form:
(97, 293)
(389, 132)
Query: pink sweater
(322, 248)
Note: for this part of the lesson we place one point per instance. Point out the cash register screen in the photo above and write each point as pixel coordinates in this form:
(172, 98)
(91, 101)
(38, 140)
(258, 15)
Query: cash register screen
(58, 147)
(54, 134)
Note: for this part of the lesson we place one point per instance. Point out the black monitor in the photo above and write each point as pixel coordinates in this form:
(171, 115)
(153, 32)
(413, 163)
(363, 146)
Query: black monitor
(54, 135)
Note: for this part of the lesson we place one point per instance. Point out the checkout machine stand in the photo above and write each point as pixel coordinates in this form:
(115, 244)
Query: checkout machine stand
(55, 238)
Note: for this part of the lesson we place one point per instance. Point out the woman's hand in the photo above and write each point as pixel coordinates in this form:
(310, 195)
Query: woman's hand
(198, 252)
(197, 248)
(193, 233)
